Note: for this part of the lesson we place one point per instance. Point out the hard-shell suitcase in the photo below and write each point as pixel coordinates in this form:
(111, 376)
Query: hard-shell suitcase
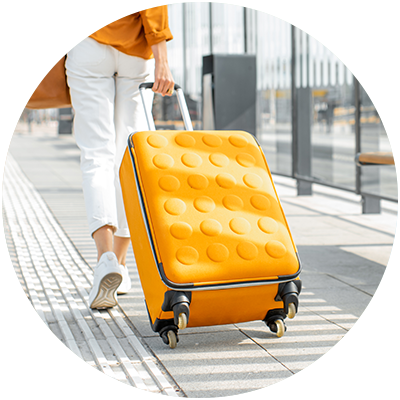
(210, 238)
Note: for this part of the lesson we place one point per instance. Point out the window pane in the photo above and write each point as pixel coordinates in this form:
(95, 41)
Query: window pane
(165, 109)
(227, 29)
(333, 116)
(175, 47)
(378, 180)
(274, 124)
(197, 41)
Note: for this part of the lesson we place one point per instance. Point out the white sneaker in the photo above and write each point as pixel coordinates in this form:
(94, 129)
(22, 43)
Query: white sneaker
(126, 283)
(107, 278)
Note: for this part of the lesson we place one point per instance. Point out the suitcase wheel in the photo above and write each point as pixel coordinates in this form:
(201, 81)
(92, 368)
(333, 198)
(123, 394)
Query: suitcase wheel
(172, 339)
(182, 321)
(280, 327)
(169, 336)
(277, 326)
(291, 310)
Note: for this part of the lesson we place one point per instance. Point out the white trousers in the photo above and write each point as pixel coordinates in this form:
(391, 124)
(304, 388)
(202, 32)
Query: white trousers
(104, 85)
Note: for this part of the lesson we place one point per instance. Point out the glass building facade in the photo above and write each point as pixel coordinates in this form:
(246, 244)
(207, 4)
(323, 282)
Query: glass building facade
(312, 116)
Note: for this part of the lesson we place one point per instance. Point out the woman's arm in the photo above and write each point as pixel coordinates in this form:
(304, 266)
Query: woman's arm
(163, 80)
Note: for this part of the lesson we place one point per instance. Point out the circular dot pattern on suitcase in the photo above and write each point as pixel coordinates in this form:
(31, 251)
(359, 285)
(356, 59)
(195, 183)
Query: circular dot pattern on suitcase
(211, 227)
(260, 202)
(240, 226)
(198, 181)
(252, 181)
(204, 204)
(175, 206)
(247, 250)
(225, 180)
(233, 202)
(217, 252)
(275, 249)
(181, 230)
(219, 160)
(185, 140)
(157, 141)
(169, 183)
(191, 160)
(163, 161)
(238, 140)
(212, 140)
(245, 194)
(268, 225)
(187, 255)
(245, 160)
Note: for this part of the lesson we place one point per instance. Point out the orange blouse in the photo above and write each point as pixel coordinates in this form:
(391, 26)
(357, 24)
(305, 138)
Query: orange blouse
(135, 33)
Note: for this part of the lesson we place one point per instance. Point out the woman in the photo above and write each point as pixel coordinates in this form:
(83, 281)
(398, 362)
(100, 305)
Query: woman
(104, 72)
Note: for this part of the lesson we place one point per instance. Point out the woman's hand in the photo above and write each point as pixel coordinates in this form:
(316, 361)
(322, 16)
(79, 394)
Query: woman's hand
(163, 80)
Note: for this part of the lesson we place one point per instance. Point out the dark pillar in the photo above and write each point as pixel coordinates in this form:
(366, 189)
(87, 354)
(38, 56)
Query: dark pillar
(229, 92)
(302, 148)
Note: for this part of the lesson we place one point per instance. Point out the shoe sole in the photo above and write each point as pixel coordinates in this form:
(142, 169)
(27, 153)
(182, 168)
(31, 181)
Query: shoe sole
(105, 297)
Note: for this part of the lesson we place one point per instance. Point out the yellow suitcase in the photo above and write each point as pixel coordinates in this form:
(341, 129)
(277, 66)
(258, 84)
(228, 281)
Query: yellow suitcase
(211, 241)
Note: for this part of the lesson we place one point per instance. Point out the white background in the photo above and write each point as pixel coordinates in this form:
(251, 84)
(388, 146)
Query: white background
(34, 35)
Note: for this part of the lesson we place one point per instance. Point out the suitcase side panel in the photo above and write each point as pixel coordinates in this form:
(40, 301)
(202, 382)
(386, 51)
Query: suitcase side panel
(189, 255)
(152, 285)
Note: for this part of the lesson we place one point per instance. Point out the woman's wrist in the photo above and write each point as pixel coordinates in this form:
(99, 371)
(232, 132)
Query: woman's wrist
(163, 80)
(160, 51)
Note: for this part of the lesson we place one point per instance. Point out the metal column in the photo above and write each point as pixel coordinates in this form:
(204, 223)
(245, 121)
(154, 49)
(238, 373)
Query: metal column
(370, 204)
(301, 120)
(303, 147)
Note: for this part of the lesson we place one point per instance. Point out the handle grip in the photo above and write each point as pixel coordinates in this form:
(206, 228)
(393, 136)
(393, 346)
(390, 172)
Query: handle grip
(149, 85)
(181, 101)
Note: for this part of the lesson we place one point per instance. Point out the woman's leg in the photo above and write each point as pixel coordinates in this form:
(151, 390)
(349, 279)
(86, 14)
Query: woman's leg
(104, 239)
(90, 70)
(129, 118)
(120, 248)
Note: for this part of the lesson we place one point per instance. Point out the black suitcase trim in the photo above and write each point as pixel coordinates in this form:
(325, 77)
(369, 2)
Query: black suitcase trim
(228, 285)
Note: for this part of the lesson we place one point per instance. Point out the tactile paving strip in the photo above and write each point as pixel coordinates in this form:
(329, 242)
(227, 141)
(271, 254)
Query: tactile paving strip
(213, 207)
(58, 281)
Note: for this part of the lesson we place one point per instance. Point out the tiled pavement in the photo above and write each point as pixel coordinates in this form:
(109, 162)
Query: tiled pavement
(57, 281)
(343, 252)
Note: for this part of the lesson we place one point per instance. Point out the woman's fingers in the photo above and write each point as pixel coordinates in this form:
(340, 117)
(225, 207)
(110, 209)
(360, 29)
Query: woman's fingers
(163, 86)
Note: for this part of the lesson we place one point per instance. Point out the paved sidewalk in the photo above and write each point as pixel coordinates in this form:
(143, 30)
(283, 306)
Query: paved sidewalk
(344, 255)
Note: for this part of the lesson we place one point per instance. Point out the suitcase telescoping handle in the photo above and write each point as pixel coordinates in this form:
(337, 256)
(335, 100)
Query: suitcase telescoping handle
(181, 101)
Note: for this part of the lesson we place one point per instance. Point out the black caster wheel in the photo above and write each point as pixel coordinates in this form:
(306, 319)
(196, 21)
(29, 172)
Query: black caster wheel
(170, 337)
(182, 321)
(278, 327)
(291, 311)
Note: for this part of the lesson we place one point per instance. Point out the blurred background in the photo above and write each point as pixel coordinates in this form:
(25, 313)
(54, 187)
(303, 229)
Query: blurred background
(244, 69)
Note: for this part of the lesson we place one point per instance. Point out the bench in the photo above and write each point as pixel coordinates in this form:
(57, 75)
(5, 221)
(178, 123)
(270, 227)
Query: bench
(374, 158)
